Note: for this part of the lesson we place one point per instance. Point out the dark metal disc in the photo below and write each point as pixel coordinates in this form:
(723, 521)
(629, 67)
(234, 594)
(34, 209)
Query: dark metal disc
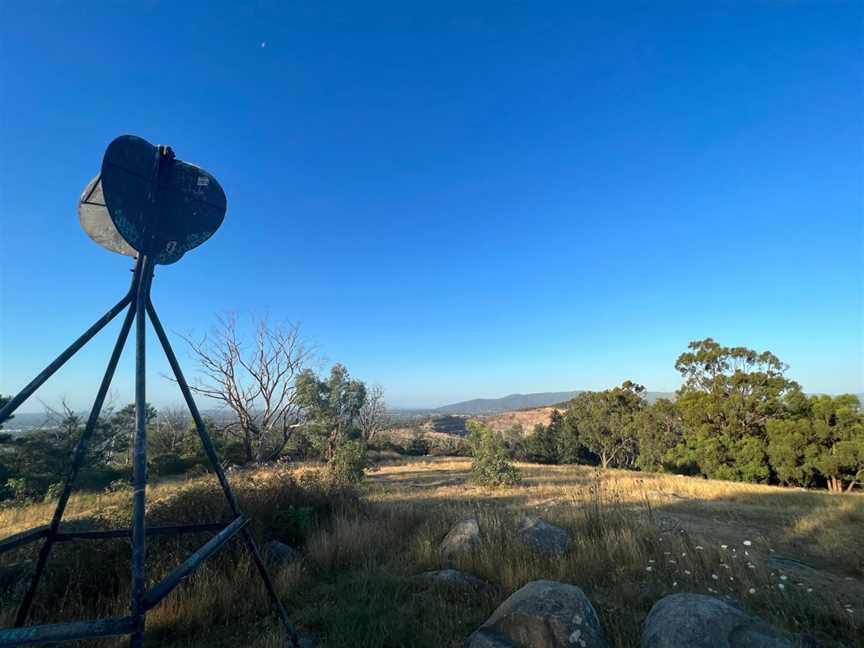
(160, 206)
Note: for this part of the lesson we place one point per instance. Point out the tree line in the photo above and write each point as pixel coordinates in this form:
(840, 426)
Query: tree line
(274, 405)
(737, 416)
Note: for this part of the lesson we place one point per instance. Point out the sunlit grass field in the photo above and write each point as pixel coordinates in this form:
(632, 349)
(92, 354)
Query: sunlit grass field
(795, 558)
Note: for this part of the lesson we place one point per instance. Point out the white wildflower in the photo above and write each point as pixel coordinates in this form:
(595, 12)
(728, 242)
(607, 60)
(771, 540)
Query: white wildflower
(747, 543)
(649, 568)
(715, 577)
(783, 577)
(724, 546)
(687, 571)
(781, 586)
(752, 590)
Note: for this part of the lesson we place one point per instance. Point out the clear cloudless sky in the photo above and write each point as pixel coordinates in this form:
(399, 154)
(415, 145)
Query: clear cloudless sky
(456, 200)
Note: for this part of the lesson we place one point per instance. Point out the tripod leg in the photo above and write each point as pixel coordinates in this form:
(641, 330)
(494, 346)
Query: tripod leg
(140, 458)
(77, 460)
(73, 348)
(217, 467)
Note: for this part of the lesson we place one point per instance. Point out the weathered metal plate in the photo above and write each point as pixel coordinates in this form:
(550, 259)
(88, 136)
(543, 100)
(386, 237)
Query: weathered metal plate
(161, 208)
(95, 220)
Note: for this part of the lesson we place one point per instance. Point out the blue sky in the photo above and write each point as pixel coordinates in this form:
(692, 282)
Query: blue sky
(455, 200)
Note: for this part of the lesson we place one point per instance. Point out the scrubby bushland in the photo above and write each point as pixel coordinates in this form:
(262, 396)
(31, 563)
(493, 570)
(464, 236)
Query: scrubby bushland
(33, 465)
(328, 419)
(420, 444)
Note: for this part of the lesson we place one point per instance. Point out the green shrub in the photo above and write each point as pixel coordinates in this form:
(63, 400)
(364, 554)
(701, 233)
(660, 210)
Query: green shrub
(349, 463)
(231, 452)
(53, 492)
(169, 463)
(23, 491)
(98, 476)
(418, 447)
(491, 465)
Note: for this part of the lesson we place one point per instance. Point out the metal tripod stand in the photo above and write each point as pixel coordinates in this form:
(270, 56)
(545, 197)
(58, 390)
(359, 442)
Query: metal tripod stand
(139, 309)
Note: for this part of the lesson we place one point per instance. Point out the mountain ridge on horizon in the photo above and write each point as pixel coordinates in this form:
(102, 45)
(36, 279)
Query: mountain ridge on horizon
(513, 402)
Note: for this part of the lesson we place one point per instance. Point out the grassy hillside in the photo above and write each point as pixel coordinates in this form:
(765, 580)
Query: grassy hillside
(636, 537)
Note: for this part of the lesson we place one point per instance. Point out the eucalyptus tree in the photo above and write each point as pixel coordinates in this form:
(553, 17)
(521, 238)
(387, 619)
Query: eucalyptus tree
(331, 408)
(728, 397)
(606, 422)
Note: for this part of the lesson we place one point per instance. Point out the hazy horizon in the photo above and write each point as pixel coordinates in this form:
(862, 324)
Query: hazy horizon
(34, 406)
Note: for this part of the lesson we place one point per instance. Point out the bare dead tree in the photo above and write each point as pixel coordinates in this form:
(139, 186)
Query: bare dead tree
(255, 377)
(171, 428)
(373, 415)
(64, 427)
(62, 423)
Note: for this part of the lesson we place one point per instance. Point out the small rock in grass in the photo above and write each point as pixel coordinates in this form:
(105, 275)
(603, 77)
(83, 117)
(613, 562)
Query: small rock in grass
(544, 537)
(280, 554)
(464, 536)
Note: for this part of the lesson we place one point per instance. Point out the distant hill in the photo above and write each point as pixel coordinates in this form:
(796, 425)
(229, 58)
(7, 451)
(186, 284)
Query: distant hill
(479, 406)
(506, 404)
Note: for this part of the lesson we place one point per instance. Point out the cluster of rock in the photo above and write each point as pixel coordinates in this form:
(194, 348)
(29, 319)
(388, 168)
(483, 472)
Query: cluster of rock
(535, 533)
(551, 614)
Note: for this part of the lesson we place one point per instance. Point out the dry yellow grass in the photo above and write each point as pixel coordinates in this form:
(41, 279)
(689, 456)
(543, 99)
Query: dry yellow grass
(636, 537)
(812, 525)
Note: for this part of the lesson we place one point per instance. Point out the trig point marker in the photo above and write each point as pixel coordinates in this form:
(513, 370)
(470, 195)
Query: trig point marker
(149, 205)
